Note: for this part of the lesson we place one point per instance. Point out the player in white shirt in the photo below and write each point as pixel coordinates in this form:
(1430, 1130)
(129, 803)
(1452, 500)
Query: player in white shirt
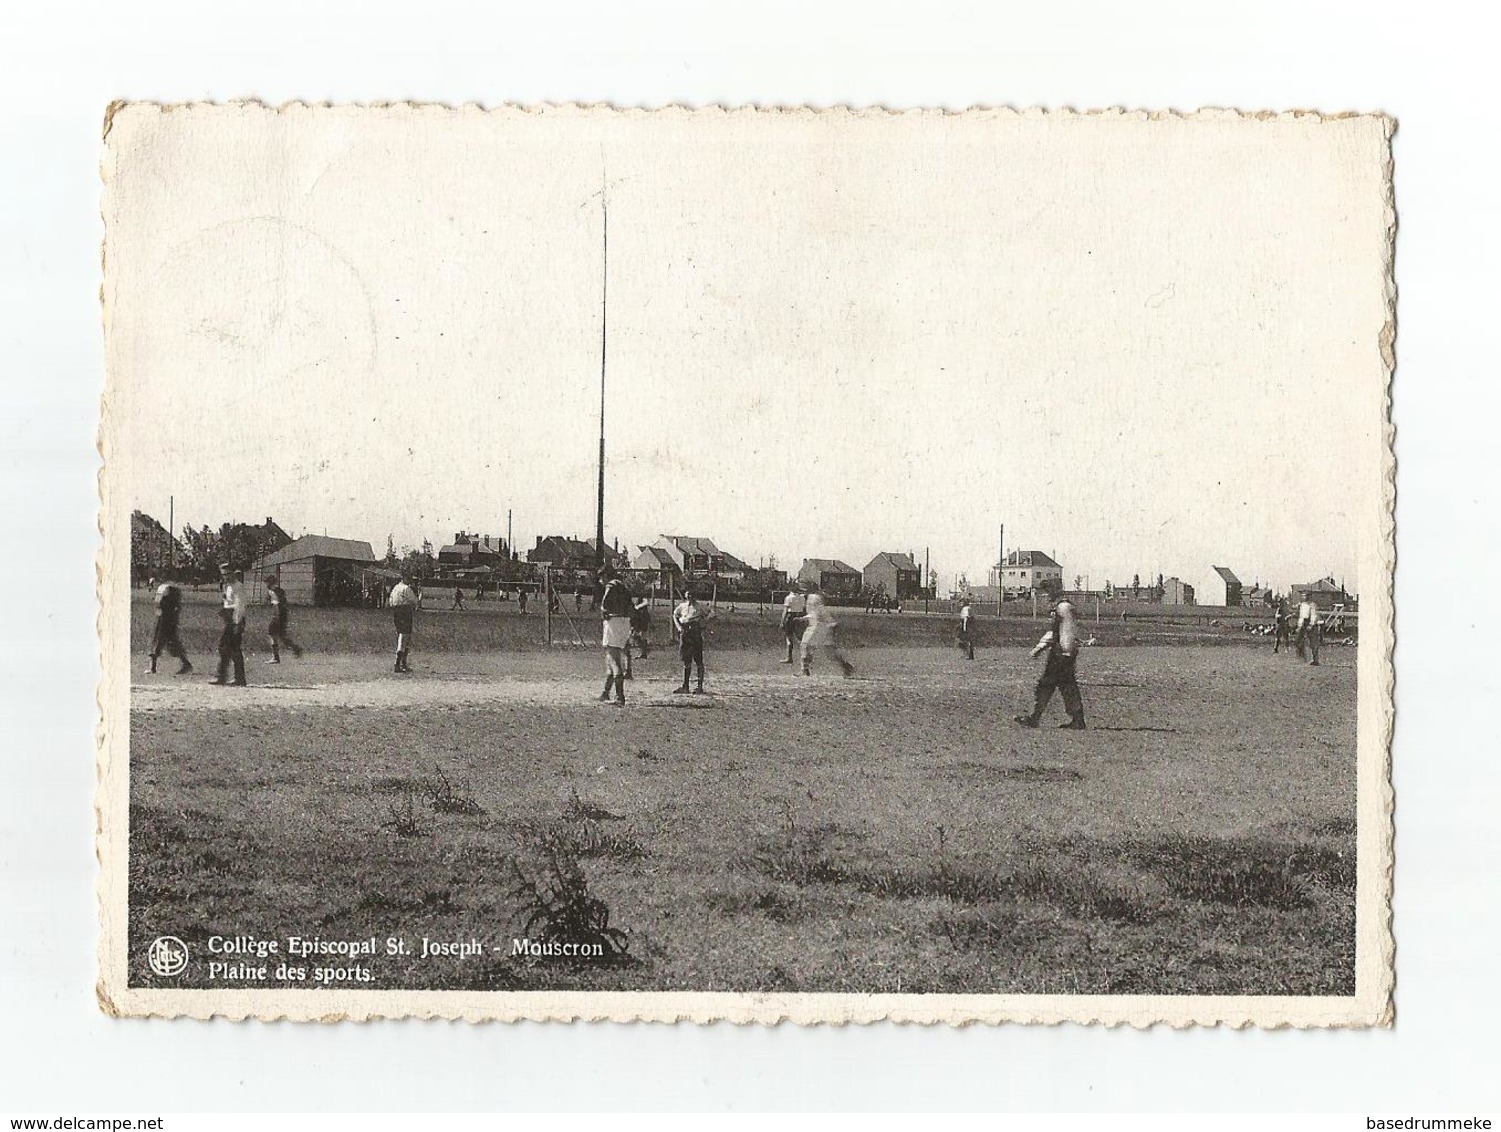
(794, 618)
(615, 606)
(689, 619)
(1310, 629)
(966, 630)
(403, 603)
(819, 634)
(1061, 642)
(232, 636)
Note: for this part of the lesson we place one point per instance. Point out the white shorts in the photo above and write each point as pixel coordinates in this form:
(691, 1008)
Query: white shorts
(617, 632)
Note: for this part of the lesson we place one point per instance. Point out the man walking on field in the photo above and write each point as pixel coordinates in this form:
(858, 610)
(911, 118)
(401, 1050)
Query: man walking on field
(1061, 642)
(966, 631)
(615, 608)
(794, 618)
(1310, 631)
(278, 629)
(820, 634)
(232, 636)
(403, 604)
(164, 634)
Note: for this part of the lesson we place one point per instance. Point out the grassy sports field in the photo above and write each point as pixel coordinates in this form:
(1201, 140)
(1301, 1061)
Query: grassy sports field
(893, 832)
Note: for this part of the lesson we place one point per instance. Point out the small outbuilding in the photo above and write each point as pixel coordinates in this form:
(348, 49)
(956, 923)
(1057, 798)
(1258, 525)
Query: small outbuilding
(319, 570)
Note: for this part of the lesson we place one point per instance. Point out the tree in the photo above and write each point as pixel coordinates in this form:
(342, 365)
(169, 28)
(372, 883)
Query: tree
(201, 552)
(420, 562)
(152, 553)
(390, 552)
(1135, 584)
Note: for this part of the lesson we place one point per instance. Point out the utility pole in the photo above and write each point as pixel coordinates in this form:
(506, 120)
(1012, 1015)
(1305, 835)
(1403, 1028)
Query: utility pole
(172, 533)
(927, 577)
(510, 546)
(1000, 574)
(547, 602)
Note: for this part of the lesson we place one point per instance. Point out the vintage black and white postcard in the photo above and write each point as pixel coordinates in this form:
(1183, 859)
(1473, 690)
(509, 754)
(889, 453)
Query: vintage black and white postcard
(568, 562)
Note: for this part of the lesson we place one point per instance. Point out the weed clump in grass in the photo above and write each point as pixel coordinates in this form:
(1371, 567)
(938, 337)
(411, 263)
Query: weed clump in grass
(404, 820)
(446, 798)
(586, 840)
(580, 810)
(563, 918)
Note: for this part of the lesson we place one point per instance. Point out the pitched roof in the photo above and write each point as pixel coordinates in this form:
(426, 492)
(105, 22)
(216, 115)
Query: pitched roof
(658, 554)
(1322, 586)
(1228, 575)
(893, 558)
(321, 546)
(693, 544)
(562, 544)
(829, 566)
(1029, 558)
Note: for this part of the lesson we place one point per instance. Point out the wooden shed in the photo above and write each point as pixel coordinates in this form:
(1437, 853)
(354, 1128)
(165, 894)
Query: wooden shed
(319, 570)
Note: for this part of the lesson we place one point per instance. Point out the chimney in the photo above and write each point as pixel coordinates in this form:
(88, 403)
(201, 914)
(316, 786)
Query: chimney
(539, 542)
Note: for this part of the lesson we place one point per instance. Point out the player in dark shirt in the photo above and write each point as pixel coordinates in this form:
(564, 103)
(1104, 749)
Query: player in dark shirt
(278, 629)
(164, 634)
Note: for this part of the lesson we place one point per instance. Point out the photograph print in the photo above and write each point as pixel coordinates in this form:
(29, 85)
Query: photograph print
(821, 565)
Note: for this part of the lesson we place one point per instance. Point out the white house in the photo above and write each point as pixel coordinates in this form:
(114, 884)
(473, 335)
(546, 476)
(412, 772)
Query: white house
(1026, 570)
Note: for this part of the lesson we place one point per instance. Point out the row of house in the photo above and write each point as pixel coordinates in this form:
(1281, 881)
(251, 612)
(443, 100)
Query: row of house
(320, 570)
(1227, 590)
(892, 573)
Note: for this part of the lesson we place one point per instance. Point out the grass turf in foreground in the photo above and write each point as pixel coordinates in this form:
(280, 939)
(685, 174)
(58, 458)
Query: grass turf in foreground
(901, 837)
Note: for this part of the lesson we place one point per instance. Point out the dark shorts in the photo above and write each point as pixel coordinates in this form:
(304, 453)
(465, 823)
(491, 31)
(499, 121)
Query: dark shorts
(794, 625)
(162, 633)
(691, 647)
(403, 616)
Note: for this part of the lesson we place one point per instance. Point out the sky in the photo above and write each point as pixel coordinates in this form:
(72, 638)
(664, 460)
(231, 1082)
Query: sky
(1142, 346)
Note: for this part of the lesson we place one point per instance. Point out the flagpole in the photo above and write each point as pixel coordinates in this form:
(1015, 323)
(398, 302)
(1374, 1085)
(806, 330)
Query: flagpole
(604, 324)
